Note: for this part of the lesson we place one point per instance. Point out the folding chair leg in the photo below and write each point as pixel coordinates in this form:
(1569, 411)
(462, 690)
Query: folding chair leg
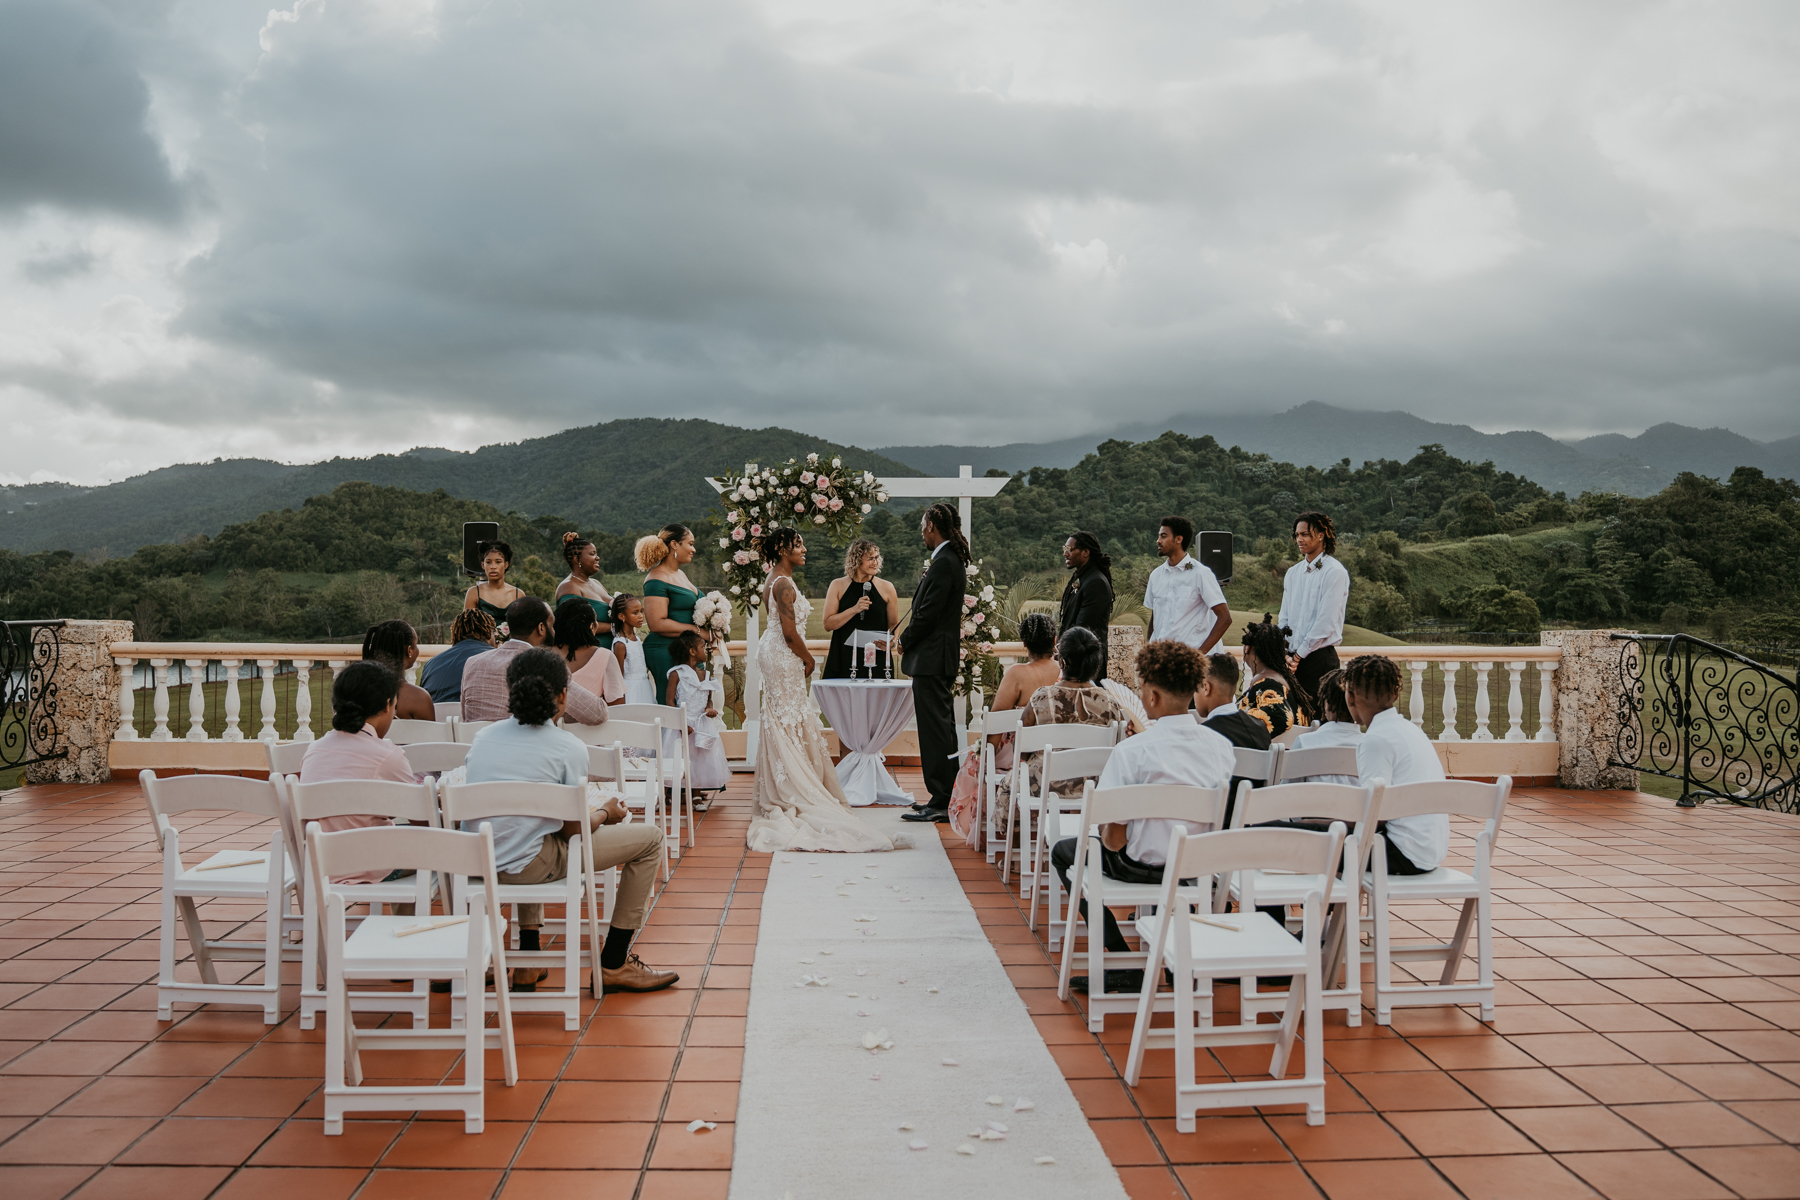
(1459, 943)
(190, 918)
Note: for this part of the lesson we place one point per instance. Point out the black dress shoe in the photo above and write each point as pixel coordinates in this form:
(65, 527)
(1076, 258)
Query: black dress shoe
(1129, 980)
(928, 815)
(921, 807)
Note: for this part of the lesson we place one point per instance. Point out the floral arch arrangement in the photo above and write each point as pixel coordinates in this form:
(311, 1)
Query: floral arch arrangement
(804, 495)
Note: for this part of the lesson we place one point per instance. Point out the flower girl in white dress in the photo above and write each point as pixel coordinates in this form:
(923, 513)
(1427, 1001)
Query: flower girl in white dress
(627, 616)
(700, 698)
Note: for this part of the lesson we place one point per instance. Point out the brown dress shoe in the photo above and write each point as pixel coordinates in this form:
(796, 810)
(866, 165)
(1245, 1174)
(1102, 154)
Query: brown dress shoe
(634, 976)
(526, 979)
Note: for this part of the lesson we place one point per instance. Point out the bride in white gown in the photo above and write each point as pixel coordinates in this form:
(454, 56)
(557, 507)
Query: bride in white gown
(799, 803)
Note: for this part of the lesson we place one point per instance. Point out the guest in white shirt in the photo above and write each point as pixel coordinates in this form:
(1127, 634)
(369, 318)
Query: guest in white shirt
(1175, 749)
(1338, 728)
(1396, 750)
(1183, 595)
(1313, 595)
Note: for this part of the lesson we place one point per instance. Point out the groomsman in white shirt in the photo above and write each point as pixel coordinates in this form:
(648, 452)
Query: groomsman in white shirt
(1313, 596)
(1183, 595)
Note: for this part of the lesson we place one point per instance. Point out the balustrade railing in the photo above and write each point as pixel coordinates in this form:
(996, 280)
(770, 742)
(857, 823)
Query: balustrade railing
(200, 691)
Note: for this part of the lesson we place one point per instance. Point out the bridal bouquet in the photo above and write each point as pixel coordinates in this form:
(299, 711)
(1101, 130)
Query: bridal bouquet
(810, 495)
(712, 612)
(980, 630)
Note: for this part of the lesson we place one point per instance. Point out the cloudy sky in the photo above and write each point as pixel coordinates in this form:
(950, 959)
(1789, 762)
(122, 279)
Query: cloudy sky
(359, 225)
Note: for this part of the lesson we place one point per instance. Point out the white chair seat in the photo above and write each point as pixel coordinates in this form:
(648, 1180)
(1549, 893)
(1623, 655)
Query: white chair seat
(1260, 945)
(250, 878)
(1274, 888)
(1118, 892)
(1445, 882)
(374, 950)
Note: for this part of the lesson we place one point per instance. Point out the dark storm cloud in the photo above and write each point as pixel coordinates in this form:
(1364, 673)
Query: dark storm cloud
(72, 115)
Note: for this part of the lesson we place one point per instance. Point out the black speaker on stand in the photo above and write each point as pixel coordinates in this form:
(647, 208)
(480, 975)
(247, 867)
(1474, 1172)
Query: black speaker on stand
(1214, 552)
(475, 533)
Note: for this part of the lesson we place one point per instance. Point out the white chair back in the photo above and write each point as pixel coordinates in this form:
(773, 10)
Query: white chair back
(427, 758)
(1289, 851)
(623, 731)
(1061, 765)
(474, 802)
(1320, 760)
(1032, 738)
(606, 764)
(1258, 765)
(465, 731)
(285, 757)
(1153, 801)
(403, 732)
(671, 716)
(226, 793)
(1355, 806)
(415, 802)
(1453, 797)
(451, 711)
(993, 724)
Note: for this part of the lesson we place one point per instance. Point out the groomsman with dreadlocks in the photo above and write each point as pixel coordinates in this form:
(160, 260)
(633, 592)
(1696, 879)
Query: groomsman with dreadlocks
(1088, 599)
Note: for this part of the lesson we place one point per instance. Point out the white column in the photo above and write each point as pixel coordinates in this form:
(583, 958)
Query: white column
(161, 704)
(1483, 731)
(233, 701)
(127, 731)
(303, 700)
(1546, 703)
(1416, 706)
(1515, 703)
(1450, 672)
(196, 699)
(268, 733)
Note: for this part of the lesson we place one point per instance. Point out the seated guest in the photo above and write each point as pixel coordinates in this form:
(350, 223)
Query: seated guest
(1338, 728)
(362, 708)
(471, 633)
(1175, 749)
(484, 692)
(1018, 683)
(591, 665)
(1273, 697)
(395, 645)
(1220, 713)
(528, 747)
(1073, 699)
(1396, 750)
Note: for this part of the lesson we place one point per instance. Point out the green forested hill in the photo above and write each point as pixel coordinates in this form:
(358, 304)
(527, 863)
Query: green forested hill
(619, 476)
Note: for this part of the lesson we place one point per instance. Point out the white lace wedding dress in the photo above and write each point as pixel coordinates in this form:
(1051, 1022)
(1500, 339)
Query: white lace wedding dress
(799, 803)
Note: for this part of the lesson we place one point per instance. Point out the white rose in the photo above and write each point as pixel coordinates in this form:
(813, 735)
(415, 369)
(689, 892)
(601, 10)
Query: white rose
(974, 569)
(724, 543)
(819, 520)
(836, 463)
(867, 508)
(987, 593)
(735, 589)
(881, 497)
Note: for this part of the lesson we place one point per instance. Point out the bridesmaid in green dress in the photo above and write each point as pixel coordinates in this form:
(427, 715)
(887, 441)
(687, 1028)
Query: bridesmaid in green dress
(669, 597)
(493, 594)
(584, 568)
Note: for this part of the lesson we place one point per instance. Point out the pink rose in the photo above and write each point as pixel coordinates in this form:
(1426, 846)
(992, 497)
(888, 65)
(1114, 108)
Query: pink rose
(737, 535)
(806, 477)
(968, 602)
(756, 531)
(836, 504)
(799, 508)
(793, 491)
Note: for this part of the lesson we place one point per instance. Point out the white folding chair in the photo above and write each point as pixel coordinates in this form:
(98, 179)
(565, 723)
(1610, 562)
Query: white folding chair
(285, 757)
(1198, 947)
(680, 766)
(459, 948)
(647, 778)
(1021, 810)
(1059, 767)
(470, 803)
(1484, 802)
(1258, 766)
(1356, 807)
(404, 731)
(606, 764)
(1088, 881)
(465, 731)
(434, 758)
(1286, 737)
(310, 802)
(261, 875)
(1337, 763)
(988, 776)
(451, 711)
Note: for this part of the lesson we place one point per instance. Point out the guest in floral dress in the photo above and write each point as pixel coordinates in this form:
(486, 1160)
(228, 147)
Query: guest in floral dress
(1274, 697)
(1074, 699)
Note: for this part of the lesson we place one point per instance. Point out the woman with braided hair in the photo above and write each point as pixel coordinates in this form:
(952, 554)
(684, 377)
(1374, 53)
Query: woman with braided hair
(800, 804)
(1274, 696)
(931, 654)
(582, 580)
(1088, 599)
(395, 645)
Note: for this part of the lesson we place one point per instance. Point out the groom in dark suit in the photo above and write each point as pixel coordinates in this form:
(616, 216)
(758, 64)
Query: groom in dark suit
(929, 654)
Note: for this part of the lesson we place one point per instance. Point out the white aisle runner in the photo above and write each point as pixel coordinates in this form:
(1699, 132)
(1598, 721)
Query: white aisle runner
(813, 1120)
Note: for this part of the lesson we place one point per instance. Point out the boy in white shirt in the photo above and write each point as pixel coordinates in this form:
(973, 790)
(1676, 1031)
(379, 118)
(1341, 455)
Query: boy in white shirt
(1396, 750)
(1175, 749)
(1337, 730)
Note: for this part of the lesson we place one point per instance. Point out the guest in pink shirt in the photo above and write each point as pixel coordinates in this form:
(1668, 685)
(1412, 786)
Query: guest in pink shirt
(363, 699)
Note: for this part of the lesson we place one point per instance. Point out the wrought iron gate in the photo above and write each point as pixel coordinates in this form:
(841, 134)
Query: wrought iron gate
(30, 653)
(1726, 726)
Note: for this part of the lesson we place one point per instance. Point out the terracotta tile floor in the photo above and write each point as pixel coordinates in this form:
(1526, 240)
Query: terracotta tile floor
(1644, 1047)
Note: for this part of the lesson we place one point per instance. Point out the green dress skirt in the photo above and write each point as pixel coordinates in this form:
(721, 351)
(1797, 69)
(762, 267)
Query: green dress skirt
(656, 645)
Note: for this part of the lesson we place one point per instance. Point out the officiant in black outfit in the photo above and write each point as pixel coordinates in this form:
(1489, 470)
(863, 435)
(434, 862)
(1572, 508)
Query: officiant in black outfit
(1088, 599)
(860, 601)
(929, 655)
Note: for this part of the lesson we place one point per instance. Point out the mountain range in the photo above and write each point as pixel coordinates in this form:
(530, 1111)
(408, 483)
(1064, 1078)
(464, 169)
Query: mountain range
(1318, 435)
(637, 473)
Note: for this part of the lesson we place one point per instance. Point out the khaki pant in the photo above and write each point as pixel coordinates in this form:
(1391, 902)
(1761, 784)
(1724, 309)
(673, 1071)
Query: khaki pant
(636, 849)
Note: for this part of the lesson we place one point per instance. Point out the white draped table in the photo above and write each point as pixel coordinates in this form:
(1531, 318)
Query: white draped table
(867, 715)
